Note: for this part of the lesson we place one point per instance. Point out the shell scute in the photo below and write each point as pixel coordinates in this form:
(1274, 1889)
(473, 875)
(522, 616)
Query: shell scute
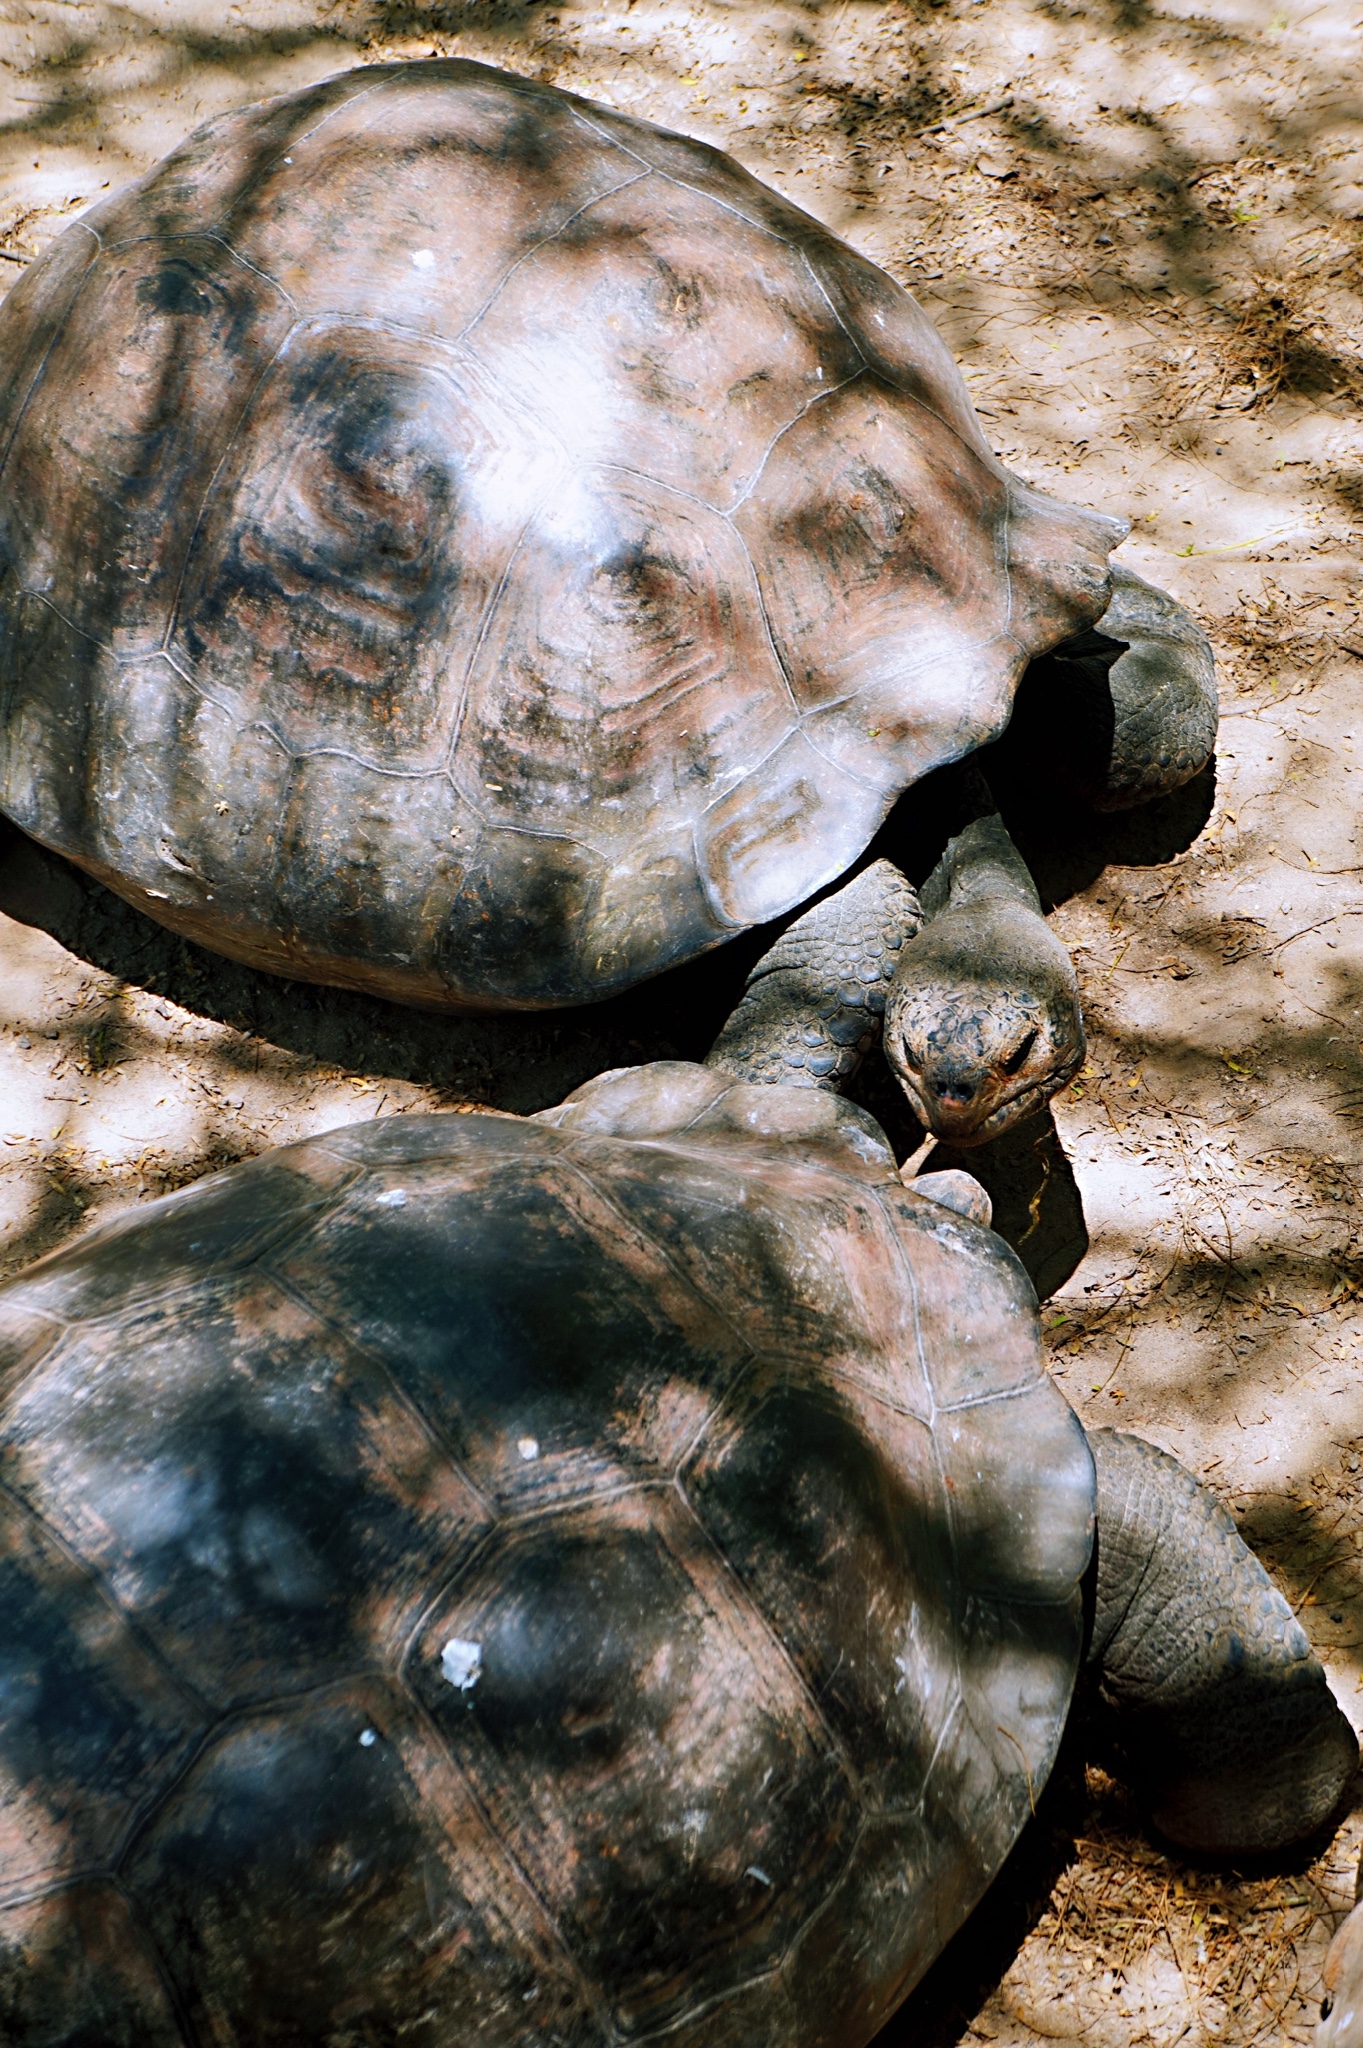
(74, 1966)
(625, 675)
(316, 1836)
(93, 1729)
(354, 543)
(355, 216)
(795, 821)
(904, 1894)
(880, 543)
(340, 894)
(511, 936)
(644, 1748)
(548, 1339)
(253, 1492)
(896, 339)
(104, 475)
(828, 1293)
(980, 1341)
(695, 339)
(814, 1492)
(25, 1338)
(1022, 1531)
(213, 1228)
(34, 308)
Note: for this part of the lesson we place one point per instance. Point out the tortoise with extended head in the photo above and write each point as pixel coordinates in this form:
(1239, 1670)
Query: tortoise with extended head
(467, 544)
(615, 1576)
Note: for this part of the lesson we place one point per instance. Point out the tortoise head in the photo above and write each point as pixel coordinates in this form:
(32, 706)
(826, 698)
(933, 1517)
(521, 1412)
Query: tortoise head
(982, 1022)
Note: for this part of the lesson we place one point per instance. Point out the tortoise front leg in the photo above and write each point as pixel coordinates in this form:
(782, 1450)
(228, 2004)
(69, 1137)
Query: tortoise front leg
(980, 1005)
(812, 1006)
(1218, 1706)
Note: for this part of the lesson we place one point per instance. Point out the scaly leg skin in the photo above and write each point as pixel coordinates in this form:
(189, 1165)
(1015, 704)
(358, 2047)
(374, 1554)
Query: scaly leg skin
(983, 1023)
(1215, 1700)
(812, 1006)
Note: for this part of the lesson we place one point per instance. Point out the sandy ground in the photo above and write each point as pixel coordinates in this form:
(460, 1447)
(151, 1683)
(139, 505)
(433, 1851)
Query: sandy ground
(1140, 228)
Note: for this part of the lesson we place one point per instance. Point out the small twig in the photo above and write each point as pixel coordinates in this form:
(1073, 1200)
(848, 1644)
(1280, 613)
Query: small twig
(913, 1165)
(1319, 926)
(958, 120)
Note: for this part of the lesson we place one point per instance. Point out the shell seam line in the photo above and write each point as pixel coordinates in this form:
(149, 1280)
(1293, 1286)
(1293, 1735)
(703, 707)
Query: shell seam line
(175, 1999)
(332, 114)
(40, 597)
(727, 206)
(439, 773)
(406, 1400)
(589, 1992)
(443, 1585)
(192, 682)
(588, 1493)
(484, 628)
(63, 1327)
(765, 615)
(906, 1267)
(545, 242)
(753, 1607)
(571, 1157)
(229, 444)
(781, 432)
(209, 234)
(989, 1400)
(95, 1578)
(227, 1718)
(957, 1709)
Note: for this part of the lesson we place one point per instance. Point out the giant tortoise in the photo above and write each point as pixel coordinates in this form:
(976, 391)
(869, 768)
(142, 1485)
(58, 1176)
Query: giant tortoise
(465, 543)
(612, 1577)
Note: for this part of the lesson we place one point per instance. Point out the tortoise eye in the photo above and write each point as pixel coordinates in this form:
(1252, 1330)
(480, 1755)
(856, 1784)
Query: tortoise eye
(1014, 1062)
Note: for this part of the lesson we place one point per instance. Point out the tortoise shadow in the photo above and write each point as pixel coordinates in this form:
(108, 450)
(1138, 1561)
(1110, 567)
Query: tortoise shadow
(520, 1062)
(939, 2011)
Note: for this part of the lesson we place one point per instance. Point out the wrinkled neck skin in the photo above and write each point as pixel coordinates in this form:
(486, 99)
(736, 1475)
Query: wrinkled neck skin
(982, 1022)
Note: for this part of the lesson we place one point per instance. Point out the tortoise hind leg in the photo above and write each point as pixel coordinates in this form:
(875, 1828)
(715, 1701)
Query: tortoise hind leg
(1215, 1699)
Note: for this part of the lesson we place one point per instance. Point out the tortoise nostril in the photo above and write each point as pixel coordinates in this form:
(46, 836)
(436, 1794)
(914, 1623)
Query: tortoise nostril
(951, 1088)
(1016, 1058)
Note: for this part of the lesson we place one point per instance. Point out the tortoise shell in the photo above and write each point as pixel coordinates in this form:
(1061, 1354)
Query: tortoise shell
(521, 1582)
(465, 543)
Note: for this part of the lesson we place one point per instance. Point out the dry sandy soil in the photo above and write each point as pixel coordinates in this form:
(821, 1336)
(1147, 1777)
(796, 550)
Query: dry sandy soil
(1141, 228)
